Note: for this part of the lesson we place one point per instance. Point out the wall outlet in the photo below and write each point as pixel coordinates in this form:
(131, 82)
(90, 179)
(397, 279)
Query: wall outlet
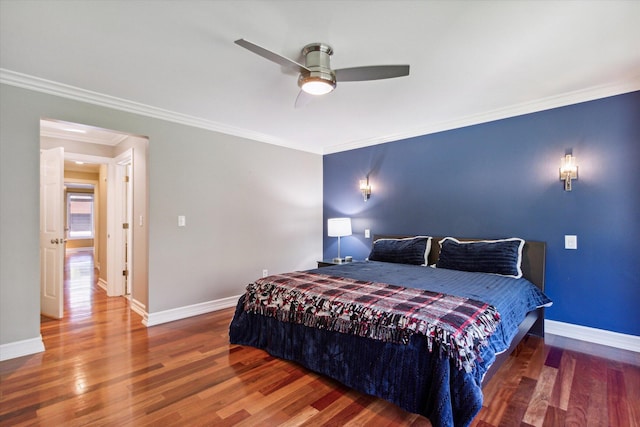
(367, 233)
(571, 242)
(265, 272)
(182, 221)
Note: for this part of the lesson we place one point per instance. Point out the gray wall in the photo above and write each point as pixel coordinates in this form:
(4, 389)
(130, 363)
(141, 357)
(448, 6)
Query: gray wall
(248, 206)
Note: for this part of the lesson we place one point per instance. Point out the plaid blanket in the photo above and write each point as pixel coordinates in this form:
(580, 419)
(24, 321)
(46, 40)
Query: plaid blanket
(458, 326)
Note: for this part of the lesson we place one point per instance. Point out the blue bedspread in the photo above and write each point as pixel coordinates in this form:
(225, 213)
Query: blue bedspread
(407, 375)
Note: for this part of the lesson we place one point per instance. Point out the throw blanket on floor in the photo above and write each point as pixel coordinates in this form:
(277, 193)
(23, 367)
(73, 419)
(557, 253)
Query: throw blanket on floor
(459, 326)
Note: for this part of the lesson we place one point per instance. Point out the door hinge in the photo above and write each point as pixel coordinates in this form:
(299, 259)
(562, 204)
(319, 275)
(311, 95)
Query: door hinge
(126, 178)
(125, 273)
(125, 225)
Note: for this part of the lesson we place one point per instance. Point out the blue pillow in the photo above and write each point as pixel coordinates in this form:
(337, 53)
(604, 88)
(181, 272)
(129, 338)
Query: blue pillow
(502, 257)
(412, 250)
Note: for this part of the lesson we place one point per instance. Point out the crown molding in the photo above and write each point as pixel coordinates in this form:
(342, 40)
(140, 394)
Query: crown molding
(66, 91)
(575, 97)
(37, 84)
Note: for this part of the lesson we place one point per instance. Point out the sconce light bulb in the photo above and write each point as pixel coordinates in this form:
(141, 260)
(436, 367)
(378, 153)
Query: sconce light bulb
(365, 188)
(568, 170)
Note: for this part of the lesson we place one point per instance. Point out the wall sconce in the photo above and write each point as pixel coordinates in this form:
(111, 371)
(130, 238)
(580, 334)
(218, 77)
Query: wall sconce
(338, 227)
(365, 187)
(568, 171)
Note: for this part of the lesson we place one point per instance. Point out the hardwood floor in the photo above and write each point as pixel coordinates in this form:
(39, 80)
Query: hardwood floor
(103, 367)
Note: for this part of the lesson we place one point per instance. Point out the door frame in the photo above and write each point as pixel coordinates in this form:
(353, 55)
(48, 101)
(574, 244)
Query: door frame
(139, 191)
(115, 237)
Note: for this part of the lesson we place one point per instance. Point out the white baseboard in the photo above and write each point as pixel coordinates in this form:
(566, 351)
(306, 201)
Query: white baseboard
(152, 319)
(102, 284)
(593, 335)
(139, 308)
(21, 348)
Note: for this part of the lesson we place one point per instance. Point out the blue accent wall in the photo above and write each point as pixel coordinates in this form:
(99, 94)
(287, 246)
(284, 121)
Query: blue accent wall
(500, 179)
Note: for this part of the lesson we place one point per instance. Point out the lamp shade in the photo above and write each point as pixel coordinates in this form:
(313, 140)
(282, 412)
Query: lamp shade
(337, 227)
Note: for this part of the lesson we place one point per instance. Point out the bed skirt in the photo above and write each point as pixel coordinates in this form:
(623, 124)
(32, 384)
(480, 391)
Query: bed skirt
(406, 375)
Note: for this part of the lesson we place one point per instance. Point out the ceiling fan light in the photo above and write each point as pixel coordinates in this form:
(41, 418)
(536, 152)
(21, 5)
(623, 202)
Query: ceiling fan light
(317, 86)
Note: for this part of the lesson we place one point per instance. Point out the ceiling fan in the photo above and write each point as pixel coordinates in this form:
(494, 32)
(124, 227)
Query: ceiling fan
(316, 76)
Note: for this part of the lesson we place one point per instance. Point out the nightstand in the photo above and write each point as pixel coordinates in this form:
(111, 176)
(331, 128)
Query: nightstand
(330, 262)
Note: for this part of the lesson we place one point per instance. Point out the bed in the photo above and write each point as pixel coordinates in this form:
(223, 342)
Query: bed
(394, 326)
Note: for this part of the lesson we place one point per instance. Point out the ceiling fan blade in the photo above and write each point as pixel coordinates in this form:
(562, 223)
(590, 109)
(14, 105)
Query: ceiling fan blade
(373, 72)
(303, 99)
(271, 56)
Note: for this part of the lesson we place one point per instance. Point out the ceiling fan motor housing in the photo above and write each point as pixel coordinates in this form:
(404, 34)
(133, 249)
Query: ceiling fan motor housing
(318, 61)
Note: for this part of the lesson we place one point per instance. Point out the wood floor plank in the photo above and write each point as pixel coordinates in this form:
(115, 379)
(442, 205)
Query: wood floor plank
(311, 393)
(344, 417)
(597, 411)
(554, 356)
(503, 386)
(519, 403)
(562, 387)
(581, 388)
(539, 403)
(632, 382)
(554, 417)
(331, 411)
(329, 398)
(102, 367)
(536, 361)
(301, 417)
(256, 402)
(617, 403)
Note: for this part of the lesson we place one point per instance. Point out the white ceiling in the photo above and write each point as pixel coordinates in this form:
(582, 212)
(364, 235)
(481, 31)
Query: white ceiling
(471, 61)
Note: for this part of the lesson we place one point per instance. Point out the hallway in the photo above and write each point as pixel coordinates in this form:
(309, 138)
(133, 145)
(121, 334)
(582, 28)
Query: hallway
(80, 278)
(86, 304)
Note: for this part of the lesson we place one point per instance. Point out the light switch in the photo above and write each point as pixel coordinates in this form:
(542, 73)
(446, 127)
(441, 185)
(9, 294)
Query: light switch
(182, 221)
(570, 242)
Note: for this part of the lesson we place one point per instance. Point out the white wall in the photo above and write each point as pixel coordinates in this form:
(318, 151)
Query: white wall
(248, 206)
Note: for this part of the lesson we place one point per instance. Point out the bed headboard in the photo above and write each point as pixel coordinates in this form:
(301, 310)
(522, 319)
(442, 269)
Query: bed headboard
(533, 256)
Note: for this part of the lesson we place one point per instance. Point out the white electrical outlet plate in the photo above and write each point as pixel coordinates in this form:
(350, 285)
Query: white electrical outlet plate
(367, 233)
(182, 221)
(265, 272)
(571, 242)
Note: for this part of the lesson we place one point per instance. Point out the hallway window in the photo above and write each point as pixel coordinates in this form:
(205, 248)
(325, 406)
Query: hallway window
(80, 215)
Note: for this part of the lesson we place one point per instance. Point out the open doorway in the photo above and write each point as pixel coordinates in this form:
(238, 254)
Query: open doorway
(105, 185)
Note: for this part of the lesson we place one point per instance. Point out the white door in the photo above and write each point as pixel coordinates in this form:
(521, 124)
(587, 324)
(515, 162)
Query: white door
(127, 226)
(51, 232)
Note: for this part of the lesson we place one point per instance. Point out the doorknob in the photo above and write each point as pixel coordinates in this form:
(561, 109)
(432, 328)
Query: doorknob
(54, 241)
